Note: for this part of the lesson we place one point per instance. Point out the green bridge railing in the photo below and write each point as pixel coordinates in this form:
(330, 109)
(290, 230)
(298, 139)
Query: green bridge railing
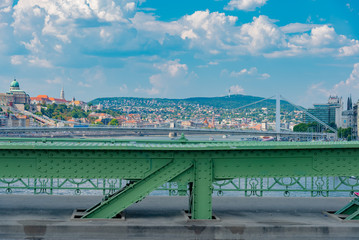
(248, 187)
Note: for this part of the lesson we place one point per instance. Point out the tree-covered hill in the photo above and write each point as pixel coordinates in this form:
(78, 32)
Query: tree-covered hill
(226, 102)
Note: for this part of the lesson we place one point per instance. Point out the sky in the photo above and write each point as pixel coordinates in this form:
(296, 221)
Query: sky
(304, 50)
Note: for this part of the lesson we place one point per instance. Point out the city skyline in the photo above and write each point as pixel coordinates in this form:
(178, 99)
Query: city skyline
(305, 50)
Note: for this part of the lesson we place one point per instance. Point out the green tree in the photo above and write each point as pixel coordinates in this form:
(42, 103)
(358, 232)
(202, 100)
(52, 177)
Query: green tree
(345, 133)
(113, 122)
(301, 127)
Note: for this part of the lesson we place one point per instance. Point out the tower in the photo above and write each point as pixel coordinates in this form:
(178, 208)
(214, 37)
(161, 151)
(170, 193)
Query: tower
(349, 103)
(62, 94)
(14, 85)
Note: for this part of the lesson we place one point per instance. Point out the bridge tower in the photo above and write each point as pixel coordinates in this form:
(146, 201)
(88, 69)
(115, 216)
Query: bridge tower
(277, 117)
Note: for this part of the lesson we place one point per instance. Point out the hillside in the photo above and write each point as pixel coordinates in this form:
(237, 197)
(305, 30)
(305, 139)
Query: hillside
(232, 102)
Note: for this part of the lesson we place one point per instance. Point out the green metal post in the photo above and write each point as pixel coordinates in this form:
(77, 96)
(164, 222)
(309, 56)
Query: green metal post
(202, 189)
(182, 189)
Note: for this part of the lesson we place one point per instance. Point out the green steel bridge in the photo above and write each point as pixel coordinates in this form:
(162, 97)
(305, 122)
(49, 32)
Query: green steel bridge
(193, 168)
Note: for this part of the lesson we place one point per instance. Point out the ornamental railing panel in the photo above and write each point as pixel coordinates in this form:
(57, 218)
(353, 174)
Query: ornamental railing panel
(247, 187)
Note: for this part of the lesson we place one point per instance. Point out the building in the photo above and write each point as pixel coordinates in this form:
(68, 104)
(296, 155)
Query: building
(330, 113)
(347, 118)
(348, 115)
(19, 121)
(44, 99)
(15, 97)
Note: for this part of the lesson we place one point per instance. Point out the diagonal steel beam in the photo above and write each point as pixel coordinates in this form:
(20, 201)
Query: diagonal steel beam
(139, 190)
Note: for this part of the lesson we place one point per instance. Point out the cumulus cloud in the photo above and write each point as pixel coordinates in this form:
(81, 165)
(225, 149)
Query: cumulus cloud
(297, 27)
(60, 25)
(56, 80)
(350, 84)
(319, 36)
(30, 60)
(318, 91)
(38, 62)
(34, 45)
(322, 40)
(123, 88)
(252, 72)
(172, 75)
(261, 35)
(236, 89)
(63, 33)
(83, 84)
(352, 49)
(5, 6)
(246, 5)
(202, 30)
(17, 59)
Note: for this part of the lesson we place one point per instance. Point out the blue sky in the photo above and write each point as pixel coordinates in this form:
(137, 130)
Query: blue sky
(302, 49)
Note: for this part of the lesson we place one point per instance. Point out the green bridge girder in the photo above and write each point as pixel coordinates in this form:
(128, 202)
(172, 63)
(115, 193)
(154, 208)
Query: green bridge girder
(149, 164)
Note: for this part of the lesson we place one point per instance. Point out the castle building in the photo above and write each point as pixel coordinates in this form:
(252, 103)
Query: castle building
(15, 97)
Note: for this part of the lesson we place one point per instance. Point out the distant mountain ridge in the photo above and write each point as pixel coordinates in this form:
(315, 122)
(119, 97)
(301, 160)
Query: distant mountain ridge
(226, 102)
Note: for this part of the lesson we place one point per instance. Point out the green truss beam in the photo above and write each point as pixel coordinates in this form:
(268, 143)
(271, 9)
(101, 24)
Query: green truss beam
(139, 190)
(351, 210)
(149, 164)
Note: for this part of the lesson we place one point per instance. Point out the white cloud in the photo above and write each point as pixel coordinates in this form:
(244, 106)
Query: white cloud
(31, 61)
(350, 50)
(252, 72)
(58, 48)
(236, 89)
(246, 5)
(297, 27)
(151, 28)
(318, 91)
(38, 62)
(56, 80)
(172, 75)
(319, 36)
(60, 32)
(16, 59)
(350, 84)
(34, 45)
(322, 40)
(5, 3)
(261, 35)
(94, 76)
(130, 6)
(5, 6)
(5, 10)
(123, 88)
(83, 84)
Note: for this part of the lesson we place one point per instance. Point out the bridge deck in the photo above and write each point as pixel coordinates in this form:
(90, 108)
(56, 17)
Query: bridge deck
(48, 217)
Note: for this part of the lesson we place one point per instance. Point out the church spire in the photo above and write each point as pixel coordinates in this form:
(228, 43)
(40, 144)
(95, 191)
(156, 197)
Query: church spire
(62, 94)
(349, 103)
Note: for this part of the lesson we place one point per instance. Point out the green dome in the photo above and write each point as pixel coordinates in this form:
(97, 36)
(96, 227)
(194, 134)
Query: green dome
(14, 84)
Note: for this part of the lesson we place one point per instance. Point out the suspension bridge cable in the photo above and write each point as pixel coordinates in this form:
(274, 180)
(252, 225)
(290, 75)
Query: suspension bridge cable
(311, 115)
(255, 102)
